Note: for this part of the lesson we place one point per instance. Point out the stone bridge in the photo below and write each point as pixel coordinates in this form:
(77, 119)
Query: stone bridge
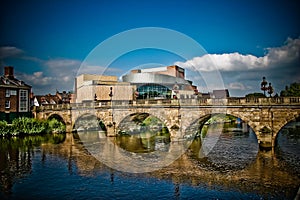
(266, 116)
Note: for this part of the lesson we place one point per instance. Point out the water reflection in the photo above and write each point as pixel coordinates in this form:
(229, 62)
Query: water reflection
(235, 148)
(143, 143)
(143, 133)
(288, 146)
(60, 166)
(16, 156)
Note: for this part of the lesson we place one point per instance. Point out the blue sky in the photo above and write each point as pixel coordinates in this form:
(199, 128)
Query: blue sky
(47, 41)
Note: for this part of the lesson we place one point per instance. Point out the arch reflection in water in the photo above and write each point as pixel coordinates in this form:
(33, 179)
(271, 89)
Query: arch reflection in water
(288, 145)
(236, 147)
(142, 132)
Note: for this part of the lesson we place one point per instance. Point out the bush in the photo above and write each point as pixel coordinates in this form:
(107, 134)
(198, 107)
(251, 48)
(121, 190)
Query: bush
(56, 126)
(31, 126)
(4, 128)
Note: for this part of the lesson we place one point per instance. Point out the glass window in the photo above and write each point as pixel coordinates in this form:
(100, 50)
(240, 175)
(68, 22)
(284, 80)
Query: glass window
(13, 92)
(23, 101)
(7, 104)
(7, 93)
(153, 91)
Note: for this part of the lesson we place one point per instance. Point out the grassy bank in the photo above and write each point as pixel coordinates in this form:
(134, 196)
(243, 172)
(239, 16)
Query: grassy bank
(30, 126)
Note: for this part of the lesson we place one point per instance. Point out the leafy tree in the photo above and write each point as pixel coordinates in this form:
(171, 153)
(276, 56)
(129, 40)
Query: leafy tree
(292, 91)
(255, 95)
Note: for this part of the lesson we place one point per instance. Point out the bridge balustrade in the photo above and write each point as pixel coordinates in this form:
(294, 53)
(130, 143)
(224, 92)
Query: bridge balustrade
(294, 99)
(232, 101)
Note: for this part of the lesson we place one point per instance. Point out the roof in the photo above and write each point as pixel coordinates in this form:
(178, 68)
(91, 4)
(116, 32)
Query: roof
(58, 98)
(219, 94)
(13, 83)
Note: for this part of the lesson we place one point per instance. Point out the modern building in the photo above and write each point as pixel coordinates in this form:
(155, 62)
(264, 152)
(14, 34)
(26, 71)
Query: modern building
(90, 87)
(14, 96)
(152, 83)
(161, 83)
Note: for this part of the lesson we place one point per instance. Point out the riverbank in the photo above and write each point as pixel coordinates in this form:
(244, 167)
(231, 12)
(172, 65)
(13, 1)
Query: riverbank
(29, 126)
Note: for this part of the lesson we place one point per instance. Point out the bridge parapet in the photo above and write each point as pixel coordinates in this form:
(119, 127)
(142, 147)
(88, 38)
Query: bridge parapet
(233, 101)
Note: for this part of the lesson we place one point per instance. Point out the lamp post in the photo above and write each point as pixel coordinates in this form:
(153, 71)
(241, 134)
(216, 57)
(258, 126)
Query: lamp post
(111, 95)
(264, 85)
(270, 89)
(112, 113)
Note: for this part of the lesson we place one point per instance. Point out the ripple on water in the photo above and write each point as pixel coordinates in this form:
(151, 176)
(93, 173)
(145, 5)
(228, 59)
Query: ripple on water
(232, 151)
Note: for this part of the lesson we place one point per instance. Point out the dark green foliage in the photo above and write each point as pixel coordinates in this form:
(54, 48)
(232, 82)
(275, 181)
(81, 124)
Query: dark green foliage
(30, 126)
(255, 95)
(4, 128)
(56, 126)
(292, 91)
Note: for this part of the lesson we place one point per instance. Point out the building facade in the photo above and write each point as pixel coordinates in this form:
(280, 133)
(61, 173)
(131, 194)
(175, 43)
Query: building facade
(161, 83)
(152, 83)
(14, 96)
(90, 87)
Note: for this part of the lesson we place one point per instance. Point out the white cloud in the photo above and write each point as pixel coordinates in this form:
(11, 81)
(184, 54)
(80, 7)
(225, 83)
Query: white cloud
(9, 51)
(278, 56)
(238, 86)
(62, 63)
(37, 78)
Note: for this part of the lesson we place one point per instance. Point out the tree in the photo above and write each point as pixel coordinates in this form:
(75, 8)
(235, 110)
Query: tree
(292, 91)
(255, 95)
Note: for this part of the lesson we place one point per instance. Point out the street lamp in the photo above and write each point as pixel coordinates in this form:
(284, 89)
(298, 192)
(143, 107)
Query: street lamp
(111, 94)
(95, 98)
(264, 85)
(270, 89)
(112, 113)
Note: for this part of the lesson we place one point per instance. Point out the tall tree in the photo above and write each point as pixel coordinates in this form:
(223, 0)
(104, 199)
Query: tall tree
(292, 91)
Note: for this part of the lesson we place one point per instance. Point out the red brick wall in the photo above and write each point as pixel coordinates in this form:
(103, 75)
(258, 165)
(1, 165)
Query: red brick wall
(14, 101)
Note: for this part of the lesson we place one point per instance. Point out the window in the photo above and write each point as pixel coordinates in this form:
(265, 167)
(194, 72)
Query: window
(13, 92)
(7, 93)
(7, 104)
(23, 101)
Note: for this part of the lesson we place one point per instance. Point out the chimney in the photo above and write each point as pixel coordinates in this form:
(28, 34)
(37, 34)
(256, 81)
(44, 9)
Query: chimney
(9, 72)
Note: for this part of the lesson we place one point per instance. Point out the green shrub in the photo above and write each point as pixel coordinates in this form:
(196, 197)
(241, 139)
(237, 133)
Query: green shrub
(28, 126)
(56, 126)
(5, 129)
(31, 126)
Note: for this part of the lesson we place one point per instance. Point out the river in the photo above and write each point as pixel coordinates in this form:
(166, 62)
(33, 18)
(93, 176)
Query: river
(61, 167)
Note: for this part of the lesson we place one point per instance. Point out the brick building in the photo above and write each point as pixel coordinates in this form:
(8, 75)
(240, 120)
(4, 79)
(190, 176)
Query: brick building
(14, 96)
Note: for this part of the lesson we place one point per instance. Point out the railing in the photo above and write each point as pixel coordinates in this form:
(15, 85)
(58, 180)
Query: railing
(232, 101)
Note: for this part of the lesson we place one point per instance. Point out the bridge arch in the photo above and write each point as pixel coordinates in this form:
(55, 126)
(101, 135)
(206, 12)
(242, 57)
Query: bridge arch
(244, 118)
(89, 121)
(145, 114)
(140, 117)
(199, 122)
(57, 117)
(288, 120)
